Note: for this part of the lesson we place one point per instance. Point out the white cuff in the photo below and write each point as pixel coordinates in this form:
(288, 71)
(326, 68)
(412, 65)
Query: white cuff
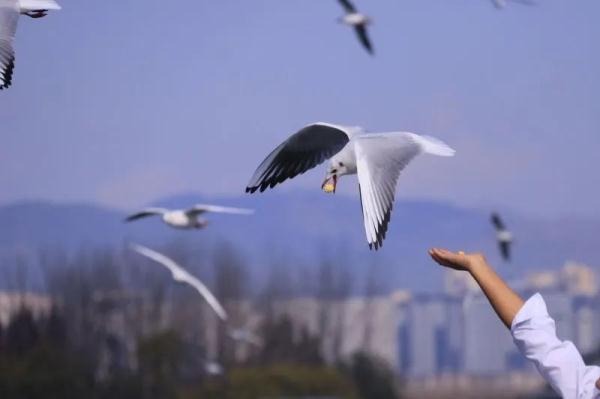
(533, 308)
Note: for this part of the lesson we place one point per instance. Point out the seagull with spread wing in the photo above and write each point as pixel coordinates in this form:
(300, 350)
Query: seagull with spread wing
(377, 159)
(183, 276)
(213, 368)
(244, 335)
(503, 236)
(10, 10)
(187, 218)
(359, 22)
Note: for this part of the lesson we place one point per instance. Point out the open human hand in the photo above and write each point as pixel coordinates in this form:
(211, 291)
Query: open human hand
(456, 260)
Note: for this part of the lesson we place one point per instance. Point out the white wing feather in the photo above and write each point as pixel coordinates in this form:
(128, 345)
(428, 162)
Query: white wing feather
(202, 208)
(182, 275)
(39, 5)
(379, 159)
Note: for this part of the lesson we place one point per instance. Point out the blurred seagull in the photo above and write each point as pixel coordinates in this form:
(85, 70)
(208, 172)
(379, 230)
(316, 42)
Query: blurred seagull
(183, 276)
(9, 16)
(500, 4)
(359, 22)
(213, 368)
(187, 218)
(244, 335)
(503, 236)
(376, 158)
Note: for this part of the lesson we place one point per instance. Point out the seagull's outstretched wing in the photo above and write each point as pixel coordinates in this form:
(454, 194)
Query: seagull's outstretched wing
(182, 275)
(349, 7)
(379, 160)
(497, 222)
(361, 32)
(145, 213)
(9, 16)
(173, 267)
(304, 150)
(203, 208)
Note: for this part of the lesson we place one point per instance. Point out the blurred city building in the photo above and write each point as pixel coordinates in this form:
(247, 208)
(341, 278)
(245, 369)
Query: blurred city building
(12, 302)
(452, 343)
(445, 344)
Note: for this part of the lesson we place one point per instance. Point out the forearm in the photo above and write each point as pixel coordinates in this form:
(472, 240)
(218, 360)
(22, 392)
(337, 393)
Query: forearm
(504, 300)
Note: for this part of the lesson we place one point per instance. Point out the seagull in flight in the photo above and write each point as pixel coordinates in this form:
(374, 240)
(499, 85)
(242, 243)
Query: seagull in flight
(359, 22)
(10, 10)
(377, 159)
(213, 368)
(182, 276)
(187, 218)
(500, 4)
(244, 335)
(503, 236)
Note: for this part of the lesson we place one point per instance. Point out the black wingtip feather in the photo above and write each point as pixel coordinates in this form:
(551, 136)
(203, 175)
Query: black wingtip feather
(8, 74)
(381, 230)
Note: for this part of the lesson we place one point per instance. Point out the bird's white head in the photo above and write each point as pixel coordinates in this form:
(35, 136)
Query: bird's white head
(337, 168)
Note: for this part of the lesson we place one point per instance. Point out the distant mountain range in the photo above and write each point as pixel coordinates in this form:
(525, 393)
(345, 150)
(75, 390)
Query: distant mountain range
(301, 228)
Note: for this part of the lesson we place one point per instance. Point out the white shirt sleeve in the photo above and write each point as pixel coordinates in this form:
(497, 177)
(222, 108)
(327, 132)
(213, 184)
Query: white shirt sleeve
(559, 362)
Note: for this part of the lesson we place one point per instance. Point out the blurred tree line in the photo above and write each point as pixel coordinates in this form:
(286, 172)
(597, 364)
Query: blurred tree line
(159, 348)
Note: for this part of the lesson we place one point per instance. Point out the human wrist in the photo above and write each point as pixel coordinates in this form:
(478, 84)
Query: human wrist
(477, 265)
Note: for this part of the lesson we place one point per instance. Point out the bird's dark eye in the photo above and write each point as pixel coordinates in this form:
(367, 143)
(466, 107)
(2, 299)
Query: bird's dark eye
(341, 164)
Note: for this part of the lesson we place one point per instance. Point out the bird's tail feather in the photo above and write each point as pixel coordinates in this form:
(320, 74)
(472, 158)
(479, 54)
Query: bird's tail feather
(431, 145)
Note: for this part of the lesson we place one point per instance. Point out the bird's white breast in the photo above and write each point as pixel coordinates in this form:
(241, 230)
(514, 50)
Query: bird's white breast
(504, 236)
(355, 19)
(177, 219)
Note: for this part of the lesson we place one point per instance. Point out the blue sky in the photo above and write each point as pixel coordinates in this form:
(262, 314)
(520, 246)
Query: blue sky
(119, 103)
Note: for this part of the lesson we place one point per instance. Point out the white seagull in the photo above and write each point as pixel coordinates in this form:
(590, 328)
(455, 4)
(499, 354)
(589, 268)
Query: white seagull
(244, 335)
(187, 218)
(500, 4)
(9, 15)
(213, 368)
(183, 276)
(359, 22)
(503, 236)
(376, 158)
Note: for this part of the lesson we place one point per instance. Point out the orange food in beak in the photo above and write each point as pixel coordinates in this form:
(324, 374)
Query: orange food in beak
(329, 184)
